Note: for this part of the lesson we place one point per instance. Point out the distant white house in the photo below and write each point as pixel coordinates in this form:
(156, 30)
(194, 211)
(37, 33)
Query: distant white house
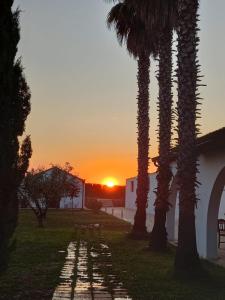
(211, 193)
(72, 202)
(75, 202)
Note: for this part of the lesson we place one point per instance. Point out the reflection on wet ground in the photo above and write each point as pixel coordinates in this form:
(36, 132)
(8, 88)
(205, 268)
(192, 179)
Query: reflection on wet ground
(88, 274)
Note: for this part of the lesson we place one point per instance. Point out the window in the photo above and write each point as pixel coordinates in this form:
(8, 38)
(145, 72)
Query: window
(132, 186)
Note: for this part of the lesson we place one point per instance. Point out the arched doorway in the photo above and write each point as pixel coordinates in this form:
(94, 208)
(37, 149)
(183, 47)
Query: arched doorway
(172, 217)
(212, 216)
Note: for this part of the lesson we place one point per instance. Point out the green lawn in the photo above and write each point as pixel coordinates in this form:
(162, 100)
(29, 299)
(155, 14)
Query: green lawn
(36, 262)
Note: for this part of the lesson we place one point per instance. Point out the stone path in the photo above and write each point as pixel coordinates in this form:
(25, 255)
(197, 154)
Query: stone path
(87, 274)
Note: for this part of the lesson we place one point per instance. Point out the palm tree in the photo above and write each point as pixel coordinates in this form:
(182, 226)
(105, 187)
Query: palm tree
(160, 16)
(166, 22)
(158, 240)
(187, 257)
(140, 44)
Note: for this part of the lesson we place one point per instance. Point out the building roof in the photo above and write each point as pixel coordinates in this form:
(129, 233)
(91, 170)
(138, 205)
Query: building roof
(55, 167)
(207, 143)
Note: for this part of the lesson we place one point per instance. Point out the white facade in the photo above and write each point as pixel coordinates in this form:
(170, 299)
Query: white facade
(130, 197)
(72, 202)
(211, 204)
(75, 202)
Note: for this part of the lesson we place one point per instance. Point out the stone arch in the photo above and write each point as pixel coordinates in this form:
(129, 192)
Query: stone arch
(170, 219)
(212, 215)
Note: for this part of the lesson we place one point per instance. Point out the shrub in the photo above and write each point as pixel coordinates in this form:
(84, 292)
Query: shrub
(94, 204)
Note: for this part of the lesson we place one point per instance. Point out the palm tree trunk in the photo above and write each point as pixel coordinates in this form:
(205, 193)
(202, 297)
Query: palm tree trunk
(159, 234)
(143, 144)
(187, 257)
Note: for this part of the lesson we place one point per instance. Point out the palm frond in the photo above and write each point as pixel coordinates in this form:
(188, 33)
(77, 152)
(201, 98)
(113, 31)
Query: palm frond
(131, 30)
(155, 13)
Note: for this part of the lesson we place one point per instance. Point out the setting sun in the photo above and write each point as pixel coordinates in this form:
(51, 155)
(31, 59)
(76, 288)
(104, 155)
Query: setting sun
(110, 182)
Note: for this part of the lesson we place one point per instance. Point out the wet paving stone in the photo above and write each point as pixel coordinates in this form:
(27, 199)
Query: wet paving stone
(88, 274)
(82, 297)
(64, 289)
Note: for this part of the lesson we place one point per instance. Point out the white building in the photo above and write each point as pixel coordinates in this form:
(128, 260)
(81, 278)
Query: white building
(73, 202)
(211, 193)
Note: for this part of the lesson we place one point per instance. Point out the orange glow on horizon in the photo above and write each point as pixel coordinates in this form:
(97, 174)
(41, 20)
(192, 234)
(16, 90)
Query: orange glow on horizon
(94, 168)
(110, 182)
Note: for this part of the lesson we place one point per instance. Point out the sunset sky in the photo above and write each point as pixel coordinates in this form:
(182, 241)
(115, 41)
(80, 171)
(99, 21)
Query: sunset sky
(83, 86)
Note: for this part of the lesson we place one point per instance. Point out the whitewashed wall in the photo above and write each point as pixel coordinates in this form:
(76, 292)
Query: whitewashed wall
(211, 165)
(207, 212)
(75, 202)
(222, 206)
(130, 193)
(68, 202)
(130, 197)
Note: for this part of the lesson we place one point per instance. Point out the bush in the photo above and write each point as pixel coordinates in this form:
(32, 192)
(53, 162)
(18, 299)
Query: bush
(94, 204)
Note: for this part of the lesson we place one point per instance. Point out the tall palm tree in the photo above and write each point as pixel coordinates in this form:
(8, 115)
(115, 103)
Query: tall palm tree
(140, 44)
(166, 22)
(160, 16)
(187, 256)
(159, 234)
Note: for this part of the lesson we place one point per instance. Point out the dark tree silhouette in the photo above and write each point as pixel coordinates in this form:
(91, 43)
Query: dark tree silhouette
(14, 108)
(159, 16)
(131, 30)
(187, 257)
(162, 16)
(158, 240)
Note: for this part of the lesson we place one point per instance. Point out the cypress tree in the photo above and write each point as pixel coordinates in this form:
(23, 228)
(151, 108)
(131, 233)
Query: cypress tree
(14, 109)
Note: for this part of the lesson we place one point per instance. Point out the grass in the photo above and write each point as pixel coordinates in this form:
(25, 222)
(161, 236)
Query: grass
(36, 262)
(150, 276)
